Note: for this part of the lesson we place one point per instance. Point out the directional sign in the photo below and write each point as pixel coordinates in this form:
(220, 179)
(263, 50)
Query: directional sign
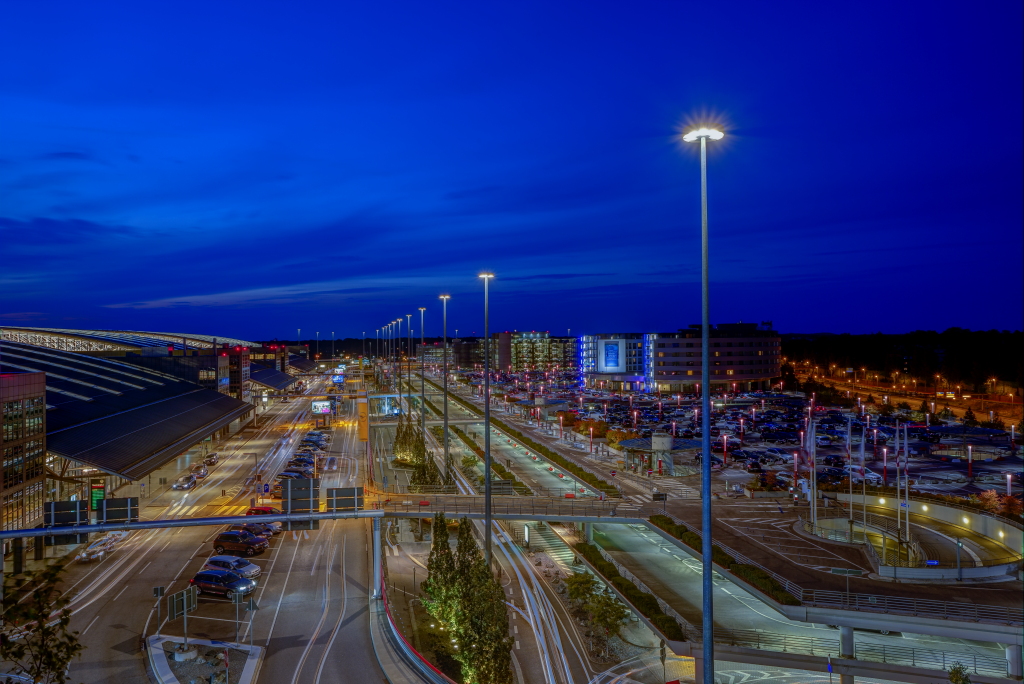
(844, 571)
(181, 602)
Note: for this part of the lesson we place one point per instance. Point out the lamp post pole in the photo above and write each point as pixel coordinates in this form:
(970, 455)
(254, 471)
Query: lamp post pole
(708, 626)
(444, 385)
(408, 359)
(487, 420)
(423, 381)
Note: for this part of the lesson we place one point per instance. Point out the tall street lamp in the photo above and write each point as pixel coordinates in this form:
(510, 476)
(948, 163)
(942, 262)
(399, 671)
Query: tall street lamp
(708, 625)
(487, 419)
(423, 381)
(444, 351)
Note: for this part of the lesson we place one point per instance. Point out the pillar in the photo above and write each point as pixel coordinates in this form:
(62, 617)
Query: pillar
(1014, 661)
(846, 650)
(18, 545)
(38, 550)
(377, 574)
(588, 532)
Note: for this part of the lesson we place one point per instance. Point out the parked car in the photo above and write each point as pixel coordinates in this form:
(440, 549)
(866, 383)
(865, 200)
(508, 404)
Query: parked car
(239, 566)
(242, 542)
(212, 459)
(185, 482)
(855, 474)
(302, 472)
(222, 582)
(257, 528)
(263, 510)
(199, 470)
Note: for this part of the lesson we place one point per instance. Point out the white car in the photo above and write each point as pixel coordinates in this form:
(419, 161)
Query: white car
(855, 474)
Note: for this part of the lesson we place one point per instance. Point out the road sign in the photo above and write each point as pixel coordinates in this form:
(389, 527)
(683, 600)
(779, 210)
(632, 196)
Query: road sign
(845, 571)
(158, 591)
(659, 496)
(180, 603)
(613, 473)
(251, 605)
(266, 488)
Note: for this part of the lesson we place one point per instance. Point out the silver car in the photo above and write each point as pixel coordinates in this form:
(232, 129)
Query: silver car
(239, 566)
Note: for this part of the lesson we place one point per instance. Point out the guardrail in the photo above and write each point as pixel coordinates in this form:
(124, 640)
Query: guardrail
(932, 660)
(503, 505)
(782, 643)
(970, 612)
(422, 665)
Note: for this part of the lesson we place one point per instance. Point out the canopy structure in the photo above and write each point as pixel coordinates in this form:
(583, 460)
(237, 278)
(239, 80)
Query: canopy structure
(120, 418)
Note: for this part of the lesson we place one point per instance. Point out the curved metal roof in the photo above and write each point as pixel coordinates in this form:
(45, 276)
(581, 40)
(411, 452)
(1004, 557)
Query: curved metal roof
(121, 418)
(90, 340)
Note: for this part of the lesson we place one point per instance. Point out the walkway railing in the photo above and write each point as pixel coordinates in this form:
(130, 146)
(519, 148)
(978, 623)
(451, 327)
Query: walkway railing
(932, 660)
(501, 505)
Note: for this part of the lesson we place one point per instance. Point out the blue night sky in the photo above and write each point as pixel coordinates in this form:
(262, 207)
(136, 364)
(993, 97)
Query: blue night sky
(251, 168)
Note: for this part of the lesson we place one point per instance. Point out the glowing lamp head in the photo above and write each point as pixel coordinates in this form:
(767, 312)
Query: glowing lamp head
(486, 276)
(698, 133)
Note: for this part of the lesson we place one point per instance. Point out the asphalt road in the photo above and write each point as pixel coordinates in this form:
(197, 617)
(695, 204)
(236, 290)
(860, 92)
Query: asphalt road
(312, 594)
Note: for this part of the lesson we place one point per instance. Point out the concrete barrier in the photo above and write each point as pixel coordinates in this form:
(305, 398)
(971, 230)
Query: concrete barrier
(1004, 532)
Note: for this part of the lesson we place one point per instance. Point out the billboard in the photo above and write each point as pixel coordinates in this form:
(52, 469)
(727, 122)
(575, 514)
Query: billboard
(321, 406)
(337, 379)
(611, 356)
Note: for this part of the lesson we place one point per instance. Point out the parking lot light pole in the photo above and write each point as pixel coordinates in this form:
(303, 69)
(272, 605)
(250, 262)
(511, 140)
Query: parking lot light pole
(444, 384)
(487, 420)
(423, 381)
(708, 625)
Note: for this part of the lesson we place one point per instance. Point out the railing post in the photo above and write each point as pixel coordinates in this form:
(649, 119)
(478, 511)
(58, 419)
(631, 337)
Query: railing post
(376, 593)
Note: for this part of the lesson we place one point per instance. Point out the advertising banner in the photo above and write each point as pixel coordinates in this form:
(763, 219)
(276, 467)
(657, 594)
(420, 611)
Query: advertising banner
(363, 413)
(321, 406)
(611, 357)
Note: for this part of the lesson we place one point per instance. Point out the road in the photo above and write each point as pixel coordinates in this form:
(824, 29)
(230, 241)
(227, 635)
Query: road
(312, 594)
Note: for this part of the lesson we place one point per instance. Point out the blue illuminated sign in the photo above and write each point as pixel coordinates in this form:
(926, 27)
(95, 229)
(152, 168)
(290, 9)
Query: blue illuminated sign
(337, 378)
(931, 562)
(611, 354)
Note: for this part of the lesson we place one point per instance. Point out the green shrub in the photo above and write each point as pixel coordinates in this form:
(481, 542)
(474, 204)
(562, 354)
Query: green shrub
(758, 578)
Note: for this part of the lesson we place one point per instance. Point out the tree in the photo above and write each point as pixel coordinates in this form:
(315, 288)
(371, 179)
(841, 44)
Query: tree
(990, 500)
(35, 640)
(923, 408)
(870, 399)
(607, 614)
(958, 674)
(580, 586)
(970, 420)
(903, 406)
(440, 585)
(480, 622)
(886, 410)
(1010, 506)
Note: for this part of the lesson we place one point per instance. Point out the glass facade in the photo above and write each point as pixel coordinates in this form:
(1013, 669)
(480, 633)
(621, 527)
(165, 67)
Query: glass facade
(23, 449)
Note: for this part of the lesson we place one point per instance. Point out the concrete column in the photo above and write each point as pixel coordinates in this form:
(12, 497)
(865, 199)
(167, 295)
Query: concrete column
(19, 555)
(588, 532)
(377, 572)
(1015, 661)
(846, 650)
(38, 550)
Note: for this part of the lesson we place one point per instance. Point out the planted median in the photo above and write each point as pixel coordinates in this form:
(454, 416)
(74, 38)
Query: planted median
(565, 464)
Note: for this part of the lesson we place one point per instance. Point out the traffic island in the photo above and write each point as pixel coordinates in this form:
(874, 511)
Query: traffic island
(202, 661)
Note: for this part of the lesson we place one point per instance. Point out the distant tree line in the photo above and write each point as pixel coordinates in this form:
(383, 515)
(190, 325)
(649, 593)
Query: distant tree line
(969, 358)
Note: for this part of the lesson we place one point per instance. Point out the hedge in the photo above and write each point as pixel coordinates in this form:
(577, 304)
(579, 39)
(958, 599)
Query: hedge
(642, 601)
(500, 470)
(567, 465)
(754, 576)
